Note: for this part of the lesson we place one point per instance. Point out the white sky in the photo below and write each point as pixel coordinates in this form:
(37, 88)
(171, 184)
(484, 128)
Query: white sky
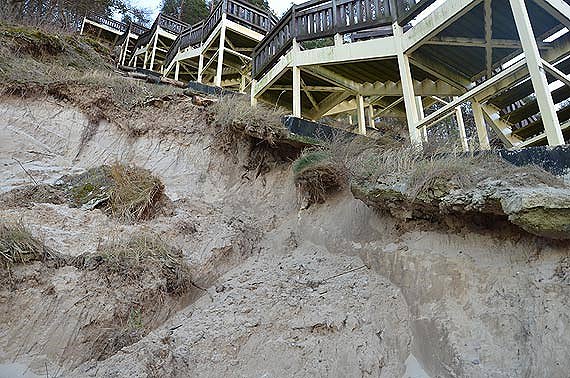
(279, 6)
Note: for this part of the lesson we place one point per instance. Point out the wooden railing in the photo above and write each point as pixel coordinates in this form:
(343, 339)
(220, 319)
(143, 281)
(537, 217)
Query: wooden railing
(113, 24)
(133, 28)
(409, 9)
(164, 22)
(317, 19)
(171, 24)
(138, 29)
(239, 11)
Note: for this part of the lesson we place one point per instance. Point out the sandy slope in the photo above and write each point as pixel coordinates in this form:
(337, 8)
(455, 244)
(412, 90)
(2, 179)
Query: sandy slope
(335, 290)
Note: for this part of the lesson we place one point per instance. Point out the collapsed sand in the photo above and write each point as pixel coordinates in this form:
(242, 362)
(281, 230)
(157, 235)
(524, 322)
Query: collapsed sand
(333, 290)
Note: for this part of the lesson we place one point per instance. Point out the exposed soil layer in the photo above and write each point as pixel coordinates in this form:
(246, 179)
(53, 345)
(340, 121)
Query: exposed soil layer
(337, 289)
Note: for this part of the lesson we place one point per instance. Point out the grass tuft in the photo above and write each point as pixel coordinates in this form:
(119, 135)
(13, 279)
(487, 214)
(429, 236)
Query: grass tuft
(135, 193)
(317, 174)
(147, 254)
(18, 246)
(235, 116)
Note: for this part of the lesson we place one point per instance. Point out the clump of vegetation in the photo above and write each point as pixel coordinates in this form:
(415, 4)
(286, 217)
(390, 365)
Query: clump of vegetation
(90, 189)
(317, 174)
(143, 255)
(135, 193)
(78, 69)
(424, 173)
(418, 169)
(236, 117)
(18, 246)
(125, 192)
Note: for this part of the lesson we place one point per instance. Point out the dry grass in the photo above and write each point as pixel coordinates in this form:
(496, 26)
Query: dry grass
(236, 117)
(126, 192)
(317, 174)
(32, 59)
(135, 193)
(420, 170)
(18, 246)
(147, 254)
(36, 63)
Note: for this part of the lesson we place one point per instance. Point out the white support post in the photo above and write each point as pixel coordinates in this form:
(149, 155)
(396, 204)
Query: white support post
(461, 127)
(407, 87)
(200, 68)
(296, 91)
(421, 115)
(371, 123)
(537, 74)
(82, 26)
(145, 58)
(253, 98)
(350, 119)
(360, 114)
(125, 50)
(481, 128)
(135, 61)
(153, 55)
(176, 71)
(243, 83)
(220, 68)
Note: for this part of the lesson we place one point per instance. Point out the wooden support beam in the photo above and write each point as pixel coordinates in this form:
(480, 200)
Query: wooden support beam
(557, 73)
(200, 68)
(333, 77)
(327, 104)
(407, 87)
(145, 58)
(450, 107)
(421, 115)
(389, 107)
(360, 114)
(441, 71)
(480, 124)
(461, 128)
(296, 92)
(436, 21)
(559, 9)
(312, 88)
(221, 48)
(370, 115)
(177, 71)
(488, 37)
(309, 95)
(252, 97)
(153, 54)
(537, 74)
(481, 43)
(500, 127)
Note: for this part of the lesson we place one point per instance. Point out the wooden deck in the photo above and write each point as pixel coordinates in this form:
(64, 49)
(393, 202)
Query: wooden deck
(367, 59)
(152, 47)
(371, 58)
(218, 50)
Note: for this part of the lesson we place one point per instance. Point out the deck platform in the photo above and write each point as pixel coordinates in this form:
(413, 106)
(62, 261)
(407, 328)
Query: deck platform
(218, 50)
(114, 32)
(108, 29)
(151, 47)
(422, 60)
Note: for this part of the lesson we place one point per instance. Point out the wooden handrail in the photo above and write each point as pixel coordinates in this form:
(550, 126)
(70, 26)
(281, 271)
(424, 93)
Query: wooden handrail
(316, 19)
(239, 11)
(117, 25)
(410, 9)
